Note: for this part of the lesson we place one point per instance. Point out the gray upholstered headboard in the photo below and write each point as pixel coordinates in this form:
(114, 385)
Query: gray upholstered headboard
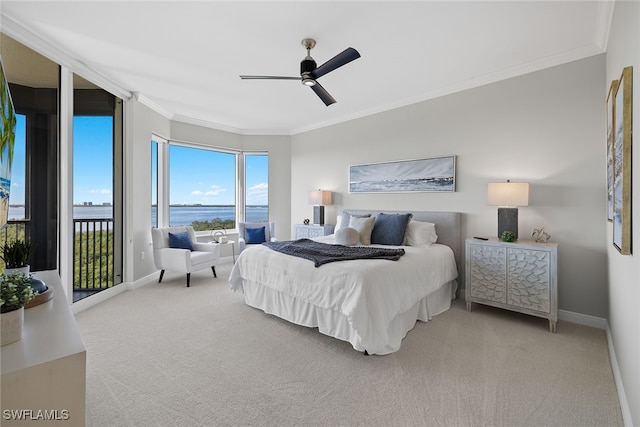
(447, 228)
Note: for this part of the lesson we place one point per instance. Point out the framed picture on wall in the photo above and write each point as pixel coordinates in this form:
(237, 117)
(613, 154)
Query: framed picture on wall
(435, 174)
(622, 164)
(611, 114)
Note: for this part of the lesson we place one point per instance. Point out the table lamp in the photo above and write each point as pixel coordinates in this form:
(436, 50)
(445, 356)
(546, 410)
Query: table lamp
(508, 195)
(319, 199)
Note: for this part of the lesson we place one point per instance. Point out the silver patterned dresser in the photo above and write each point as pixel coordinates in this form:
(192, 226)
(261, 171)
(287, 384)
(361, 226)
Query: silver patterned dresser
(520, 276)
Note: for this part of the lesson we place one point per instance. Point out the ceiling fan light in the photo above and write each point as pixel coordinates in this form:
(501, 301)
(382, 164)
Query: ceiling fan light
(308, 82)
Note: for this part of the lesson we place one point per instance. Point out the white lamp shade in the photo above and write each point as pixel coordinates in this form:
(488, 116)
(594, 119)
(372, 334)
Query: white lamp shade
(319, 198)
(508, 194)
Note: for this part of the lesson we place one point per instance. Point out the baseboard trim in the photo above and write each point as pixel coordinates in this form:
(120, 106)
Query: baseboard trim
(97, 298)
(102, 296)
(617, 377)
(569, 316)
(582, 319)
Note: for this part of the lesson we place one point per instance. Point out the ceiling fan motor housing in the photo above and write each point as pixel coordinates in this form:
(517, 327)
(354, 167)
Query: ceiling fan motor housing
(306, 67)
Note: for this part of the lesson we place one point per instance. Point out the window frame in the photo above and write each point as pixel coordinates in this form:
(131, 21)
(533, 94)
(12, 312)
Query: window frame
(164, 175)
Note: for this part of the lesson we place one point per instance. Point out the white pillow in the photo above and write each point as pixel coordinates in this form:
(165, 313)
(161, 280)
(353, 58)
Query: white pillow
(363, 226)
(420, 233)
(342, 221)
(347, 236)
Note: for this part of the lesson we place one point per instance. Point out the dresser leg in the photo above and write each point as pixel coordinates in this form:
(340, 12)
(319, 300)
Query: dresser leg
(552, 326)
(468, 305)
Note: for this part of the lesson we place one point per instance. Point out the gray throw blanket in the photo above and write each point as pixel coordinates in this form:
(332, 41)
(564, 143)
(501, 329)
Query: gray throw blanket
(323, 253)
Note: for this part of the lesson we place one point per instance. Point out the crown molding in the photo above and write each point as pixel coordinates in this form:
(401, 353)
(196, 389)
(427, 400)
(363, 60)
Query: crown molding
(144, 100)
(230, 129)
(32, 40)
(604, 17)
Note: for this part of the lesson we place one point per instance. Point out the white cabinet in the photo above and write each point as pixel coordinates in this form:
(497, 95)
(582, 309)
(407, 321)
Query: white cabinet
(310, 231)
(519, 276)
(44, 373)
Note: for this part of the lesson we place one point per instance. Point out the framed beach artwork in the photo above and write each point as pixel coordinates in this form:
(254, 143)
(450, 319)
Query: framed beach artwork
(622, 164)
(7, 140)
(611, 114)
(435, 174)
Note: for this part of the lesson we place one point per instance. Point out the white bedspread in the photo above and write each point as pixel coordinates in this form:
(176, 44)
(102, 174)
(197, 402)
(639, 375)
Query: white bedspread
(370, 293)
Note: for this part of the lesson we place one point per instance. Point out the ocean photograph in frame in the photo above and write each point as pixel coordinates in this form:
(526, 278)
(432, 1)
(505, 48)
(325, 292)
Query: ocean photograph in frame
(435, 174)
(611, 114)
(622, 164)
(7, 140)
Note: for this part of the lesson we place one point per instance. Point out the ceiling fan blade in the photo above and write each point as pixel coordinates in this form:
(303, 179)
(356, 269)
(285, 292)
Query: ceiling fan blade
(343, 58)
(269, 78)
(323, 94)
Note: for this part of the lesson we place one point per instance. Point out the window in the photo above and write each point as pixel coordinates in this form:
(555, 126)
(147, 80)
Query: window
(18, 175)
(154, 183)
(256, 180)
(202, 188)
(205, 186)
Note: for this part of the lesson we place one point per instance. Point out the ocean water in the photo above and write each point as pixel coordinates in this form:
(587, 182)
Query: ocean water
(403, 185)
(178, 215)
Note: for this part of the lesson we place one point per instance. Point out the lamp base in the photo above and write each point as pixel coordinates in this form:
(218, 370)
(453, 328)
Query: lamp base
(318, 215)
(507, 220)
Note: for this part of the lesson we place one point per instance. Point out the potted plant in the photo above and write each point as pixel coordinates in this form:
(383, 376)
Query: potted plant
(15, 255)
(15, 292)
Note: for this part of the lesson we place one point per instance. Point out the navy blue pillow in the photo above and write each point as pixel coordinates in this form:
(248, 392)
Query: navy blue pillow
(389, 229)
(180, 241)
(255, 235)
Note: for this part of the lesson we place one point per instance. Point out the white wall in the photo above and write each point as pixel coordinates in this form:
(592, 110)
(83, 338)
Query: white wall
(624, 271)
(546, 127)
(137, 206)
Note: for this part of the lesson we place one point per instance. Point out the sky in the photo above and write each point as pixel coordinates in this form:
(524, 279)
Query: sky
(16, 193)
(207, 177)
(197, 176)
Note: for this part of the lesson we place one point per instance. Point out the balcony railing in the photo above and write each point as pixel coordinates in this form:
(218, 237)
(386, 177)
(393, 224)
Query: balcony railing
(93, 254)
(15, 229)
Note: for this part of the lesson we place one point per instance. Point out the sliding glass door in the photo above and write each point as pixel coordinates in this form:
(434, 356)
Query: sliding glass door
(97, 188)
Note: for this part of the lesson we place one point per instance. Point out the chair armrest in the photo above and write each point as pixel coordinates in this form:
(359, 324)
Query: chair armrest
(172, 259)
(241, 244)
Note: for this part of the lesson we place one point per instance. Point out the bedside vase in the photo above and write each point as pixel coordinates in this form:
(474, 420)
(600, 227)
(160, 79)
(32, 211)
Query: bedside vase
(11, 326)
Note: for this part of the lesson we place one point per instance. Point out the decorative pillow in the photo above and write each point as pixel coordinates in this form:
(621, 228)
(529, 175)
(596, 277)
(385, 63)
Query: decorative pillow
(255, 235)
(420, 233)
(364, 226)
(389, 229)
(347, 236)
(342, 221)
(180, 241)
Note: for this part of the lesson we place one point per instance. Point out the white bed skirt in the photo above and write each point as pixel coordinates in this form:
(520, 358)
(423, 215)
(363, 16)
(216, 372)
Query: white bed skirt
(335, 324)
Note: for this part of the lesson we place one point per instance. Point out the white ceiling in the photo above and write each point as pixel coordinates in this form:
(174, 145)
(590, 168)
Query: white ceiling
(184, 58)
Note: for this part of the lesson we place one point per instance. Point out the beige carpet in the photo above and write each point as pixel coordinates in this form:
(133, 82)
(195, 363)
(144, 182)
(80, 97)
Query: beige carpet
(167, 355)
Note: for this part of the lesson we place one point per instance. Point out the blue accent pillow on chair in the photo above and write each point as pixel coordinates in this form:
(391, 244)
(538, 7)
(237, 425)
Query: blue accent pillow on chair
(255, 235)
(390, 229)
(180, 241)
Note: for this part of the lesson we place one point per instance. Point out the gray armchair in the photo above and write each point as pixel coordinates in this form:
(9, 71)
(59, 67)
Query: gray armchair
(203, 255)
(243, 240)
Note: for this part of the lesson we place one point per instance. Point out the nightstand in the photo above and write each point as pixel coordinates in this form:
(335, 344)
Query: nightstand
(521, 276)
(311, 231)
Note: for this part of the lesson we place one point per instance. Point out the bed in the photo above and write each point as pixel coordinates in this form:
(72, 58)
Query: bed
(372, 304)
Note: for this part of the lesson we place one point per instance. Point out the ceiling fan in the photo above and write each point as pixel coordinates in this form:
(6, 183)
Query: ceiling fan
(310, 72)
